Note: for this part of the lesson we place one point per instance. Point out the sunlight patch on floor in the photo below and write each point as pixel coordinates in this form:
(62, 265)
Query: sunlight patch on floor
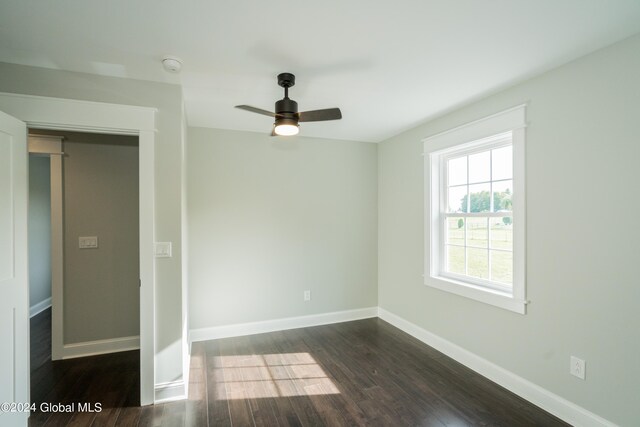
(269, 375)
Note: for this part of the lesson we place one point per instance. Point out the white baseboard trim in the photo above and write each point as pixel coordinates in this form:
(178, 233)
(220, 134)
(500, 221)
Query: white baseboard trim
(93, 348)
(241, 329)
(39, 307)
(170, 391)
(556, 405)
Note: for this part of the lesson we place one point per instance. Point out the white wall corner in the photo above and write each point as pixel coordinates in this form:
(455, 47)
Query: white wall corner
(550, 402)
(241, 329)
(170, 391)
(39, 307)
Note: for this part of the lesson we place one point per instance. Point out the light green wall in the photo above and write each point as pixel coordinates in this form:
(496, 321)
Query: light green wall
(39, 229)
(582, 238)
(167, 99)
(272, 217)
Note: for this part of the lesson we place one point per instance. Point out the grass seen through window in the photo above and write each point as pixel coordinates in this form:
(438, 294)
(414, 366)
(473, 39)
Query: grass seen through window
(484, 236)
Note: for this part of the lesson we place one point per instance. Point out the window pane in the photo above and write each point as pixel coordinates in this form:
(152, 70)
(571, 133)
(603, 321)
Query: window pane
(455, 259)
(455, 231)
(502, 194)
(502, 163)
(480, 167)
(457, 169)
(502, 233)
(478, 263)
(502, 267)
(457, 196)
(480, 201)
(477, 234)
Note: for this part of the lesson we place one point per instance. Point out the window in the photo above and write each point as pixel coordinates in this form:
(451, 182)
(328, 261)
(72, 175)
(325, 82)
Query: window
(475, 194)
(476, 217)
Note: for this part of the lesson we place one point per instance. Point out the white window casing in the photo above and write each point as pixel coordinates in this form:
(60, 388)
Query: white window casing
(504, 128)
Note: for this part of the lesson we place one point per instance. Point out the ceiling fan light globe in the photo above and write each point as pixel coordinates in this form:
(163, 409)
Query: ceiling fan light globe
(286, 130)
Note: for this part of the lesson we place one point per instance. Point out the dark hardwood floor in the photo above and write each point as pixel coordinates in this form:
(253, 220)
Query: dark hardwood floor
(364, 373)
(113, 380)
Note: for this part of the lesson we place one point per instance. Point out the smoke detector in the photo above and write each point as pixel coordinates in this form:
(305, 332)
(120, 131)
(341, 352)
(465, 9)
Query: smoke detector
(172, 64)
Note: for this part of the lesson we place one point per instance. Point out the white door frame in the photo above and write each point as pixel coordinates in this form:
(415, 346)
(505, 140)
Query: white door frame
(40, 112)
(14, 274)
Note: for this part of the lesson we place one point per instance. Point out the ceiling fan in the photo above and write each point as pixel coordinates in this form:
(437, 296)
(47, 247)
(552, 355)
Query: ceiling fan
(287, 115)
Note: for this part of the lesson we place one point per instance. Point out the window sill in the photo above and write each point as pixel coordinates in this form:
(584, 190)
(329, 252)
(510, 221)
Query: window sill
(484, 295)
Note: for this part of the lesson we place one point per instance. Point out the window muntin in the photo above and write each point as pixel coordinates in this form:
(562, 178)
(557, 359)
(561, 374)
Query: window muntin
(476, 214)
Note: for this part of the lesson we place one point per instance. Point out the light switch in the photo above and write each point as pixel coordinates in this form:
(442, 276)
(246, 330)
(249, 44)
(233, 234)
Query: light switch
(88, 242)
(163, 249)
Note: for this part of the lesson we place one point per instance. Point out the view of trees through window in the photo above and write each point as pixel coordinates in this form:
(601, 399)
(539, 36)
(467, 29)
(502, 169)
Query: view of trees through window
(480, 201)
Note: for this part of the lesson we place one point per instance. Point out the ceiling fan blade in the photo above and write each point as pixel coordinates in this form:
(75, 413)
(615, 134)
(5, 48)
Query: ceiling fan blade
(256, 110)
(273, 131)
(320, 115)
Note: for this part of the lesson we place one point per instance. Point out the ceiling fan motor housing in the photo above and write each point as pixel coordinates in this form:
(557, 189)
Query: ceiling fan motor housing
(286, 106)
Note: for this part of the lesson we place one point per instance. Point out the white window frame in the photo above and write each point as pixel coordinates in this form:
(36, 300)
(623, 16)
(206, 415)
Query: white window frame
(463, 140)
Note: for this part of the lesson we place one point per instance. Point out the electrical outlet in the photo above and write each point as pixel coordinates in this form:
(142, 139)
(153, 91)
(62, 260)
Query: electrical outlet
(307, 295)
(577, 367)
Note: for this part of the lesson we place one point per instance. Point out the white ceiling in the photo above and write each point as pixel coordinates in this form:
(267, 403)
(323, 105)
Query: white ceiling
(388, 65)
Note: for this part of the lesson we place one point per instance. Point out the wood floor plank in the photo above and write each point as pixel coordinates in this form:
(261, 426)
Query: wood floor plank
(151, 416)
(258, 382)
(217, 401)
(196, 409)
(128, 417)
(280, 405)
(228, 383)
(174, 414)
(304, 408)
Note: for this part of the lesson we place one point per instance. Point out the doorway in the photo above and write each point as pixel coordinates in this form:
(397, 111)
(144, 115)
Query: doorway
(95, 211)
(75, 115)
(96, 308)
